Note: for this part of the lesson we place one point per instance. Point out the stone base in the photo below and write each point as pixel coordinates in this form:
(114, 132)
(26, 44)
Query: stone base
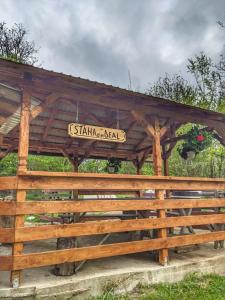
(123, 273)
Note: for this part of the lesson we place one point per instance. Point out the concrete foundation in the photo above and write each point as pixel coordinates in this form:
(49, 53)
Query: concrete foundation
(119, 273)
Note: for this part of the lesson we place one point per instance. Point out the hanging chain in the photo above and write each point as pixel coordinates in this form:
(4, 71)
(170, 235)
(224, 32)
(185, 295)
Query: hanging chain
(77, 112)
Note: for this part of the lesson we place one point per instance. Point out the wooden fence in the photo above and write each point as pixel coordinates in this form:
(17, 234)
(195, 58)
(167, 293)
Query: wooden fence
(104, 182)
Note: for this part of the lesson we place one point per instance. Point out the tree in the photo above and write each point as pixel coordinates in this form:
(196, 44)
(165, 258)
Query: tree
(15, 46)
(222, 22)
(207, 91)
(175, 88)
(208, 82)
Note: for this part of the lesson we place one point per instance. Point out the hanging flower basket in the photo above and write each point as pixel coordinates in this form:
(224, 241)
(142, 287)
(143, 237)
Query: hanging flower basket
(113, 165)
(197, 141)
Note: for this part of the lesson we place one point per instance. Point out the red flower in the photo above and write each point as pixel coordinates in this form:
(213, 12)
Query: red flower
(200, 138)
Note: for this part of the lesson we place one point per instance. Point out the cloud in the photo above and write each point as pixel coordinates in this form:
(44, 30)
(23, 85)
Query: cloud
(103, 39)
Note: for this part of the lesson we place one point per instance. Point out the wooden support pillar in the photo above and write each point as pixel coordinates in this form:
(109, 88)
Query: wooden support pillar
(155, 132)
(157, 161)
(23, 150)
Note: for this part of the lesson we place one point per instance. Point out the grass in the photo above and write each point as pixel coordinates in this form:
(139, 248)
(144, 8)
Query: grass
(193, 287)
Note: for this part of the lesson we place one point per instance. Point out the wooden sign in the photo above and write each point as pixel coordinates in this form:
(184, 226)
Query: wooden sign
(84, 131)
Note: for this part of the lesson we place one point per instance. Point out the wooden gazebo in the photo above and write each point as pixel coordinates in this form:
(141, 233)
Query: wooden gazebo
(36, 108)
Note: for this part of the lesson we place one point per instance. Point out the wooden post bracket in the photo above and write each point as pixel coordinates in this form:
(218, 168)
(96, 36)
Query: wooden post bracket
(156, 132)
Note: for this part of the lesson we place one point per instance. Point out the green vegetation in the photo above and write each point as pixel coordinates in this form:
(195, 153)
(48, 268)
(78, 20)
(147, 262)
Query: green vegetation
(206, 89)
(193, 287)
(8, 165)
(14, 45)
(208, 163)
(197, 140)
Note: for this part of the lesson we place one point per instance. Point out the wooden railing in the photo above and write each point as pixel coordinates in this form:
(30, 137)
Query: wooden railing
(104, 182)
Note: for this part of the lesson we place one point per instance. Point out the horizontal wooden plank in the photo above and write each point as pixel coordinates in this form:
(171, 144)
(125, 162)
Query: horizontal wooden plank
(34, 260)
(6, 263)
(113, 182)
(113, 176)
(8, 183)
(39, 207)
(7, 208)
(6, 235)
(100, 227)
(91, 181)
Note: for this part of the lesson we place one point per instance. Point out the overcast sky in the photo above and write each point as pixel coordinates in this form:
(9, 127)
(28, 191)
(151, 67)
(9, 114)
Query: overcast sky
(103, 39)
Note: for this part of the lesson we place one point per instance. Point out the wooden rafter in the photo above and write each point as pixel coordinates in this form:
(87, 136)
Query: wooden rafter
(38, 110)
(49, 123)
(9, 108)
(44, 82)
(144, 157)
(129, 129)
(149, 129)
(51, 147)
(142, 142)
(94, 99)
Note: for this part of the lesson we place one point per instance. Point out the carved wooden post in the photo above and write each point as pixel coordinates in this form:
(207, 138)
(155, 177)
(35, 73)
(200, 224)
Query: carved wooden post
(23, 149)
(157, 160)
(155, 133)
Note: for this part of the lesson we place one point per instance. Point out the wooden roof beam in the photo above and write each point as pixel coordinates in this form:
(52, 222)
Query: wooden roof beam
(49, 123)
(40, 108)
(142, 142)
(149, 129)
(9, 108)
(51, 148)
(130, 127)
(88, 91)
